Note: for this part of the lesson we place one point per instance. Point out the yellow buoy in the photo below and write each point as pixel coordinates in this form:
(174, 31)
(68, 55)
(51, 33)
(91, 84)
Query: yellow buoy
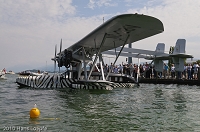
(34, 112)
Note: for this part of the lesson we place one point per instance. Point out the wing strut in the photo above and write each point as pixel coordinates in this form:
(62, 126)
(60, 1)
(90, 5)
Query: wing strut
(60, 54)
(118, 55)
(115, 50)
(101, 61)
(97, 54)
(84, 64)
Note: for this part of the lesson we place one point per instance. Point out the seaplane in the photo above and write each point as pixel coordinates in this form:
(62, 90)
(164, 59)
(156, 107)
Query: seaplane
(116, 32)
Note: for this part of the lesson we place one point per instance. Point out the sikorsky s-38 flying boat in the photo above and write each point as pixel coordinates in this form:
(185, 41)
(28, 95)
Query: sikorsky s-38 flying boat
(118, 31)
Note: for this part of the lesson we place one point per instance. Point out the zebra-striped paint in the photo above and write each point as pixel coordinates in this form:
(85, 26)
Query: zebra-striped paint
(57, 81)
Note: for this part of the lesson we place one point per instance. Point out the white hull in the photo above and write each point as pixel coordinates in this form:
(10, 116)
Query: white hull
(2, 75)
(36, 74)
(10, 73)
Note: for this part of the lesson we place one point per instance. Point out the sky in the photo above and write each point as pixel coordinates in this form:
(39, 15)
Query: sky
(30, 29)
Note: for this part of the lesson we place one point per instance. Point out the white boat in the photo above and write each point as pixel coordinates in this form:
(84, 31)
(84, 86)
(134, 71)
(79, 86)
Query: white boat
(2, 73)
(10, 72)
(38, 74)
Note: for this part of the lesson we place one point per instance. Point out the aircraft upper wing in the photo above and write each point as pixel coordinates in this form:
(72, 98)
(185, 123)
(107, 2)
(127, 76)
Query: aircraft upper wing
(116, 30)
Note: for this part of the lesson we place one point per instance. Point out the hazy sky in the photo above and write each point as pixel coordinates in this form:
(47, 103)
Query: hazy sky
(30, 29)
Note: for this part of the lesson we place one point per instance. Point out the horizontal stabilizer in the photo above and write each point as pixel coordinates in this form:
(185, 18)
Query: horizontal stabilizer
(182, 55)
(163, 57)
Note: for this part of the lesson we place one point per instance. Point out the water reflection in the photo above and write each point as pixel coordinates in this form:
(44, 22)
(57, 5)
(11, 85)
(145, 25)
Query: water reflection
(179, 101)
(166, 111)
(159, 103)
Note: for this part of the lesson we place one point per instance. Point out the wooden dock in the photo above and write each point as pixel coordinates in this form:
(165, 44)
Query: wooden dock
(170, 81)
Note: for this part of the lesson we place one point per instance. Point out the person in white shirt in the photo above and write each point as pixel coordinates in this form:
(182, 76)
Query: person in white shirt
(196, 67)
(173, 71)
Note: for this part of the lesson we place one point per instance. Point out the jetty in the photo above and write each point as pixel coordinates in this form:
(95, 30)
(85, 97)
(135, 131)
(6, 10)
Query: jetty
(170, 81)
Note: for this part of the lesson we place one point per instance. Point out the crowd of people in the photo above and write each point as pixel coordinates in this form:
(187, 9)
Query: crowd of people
(130, 69)
(147, 70)
(190, 72)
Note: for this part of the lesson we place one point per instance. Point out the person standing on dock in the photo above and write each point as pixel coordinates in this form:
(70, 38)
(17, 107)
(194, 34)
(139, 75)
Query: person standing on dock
(165, 70)
(173, 71)
(120, 69)
(131, 70)
(115, 69)
(147, 67)
(196, 67)
(106, 69)
(111, 67)
(184, 75)
(189, 70)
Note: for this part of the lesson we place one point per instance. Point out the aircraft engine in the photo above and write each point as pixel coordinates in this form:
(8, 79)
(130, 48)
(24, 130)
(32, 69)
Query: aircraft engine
(67, 58)
(60, 62)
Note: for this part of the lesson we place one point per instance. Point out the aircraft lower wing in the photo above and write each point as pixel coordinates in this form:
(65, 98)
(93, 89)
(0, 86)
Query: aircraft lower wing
(139, 51)
(117, 31)
(125, 54)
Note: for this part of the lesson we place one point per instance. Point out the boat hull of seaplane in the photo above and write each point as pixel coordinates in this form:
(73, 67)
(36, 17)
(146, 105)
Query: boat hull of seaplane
(60, 82)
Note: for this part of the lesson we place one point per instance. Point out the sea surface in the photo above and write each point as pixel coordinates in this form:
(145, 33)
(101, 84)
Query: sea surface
(147, 108)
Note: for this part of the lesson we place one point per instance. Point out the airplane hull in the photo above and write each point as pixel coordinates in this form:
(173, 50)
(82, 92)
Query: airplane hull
(57, 81)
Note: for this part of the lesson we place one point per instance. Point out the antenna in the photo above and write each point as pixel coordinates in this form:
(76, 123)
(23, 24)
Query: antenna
(103, 19)
(46, 66)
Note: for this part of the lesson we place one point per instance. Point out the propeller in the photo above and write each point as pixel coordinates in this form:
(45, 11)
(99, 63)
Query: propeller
(60, 54)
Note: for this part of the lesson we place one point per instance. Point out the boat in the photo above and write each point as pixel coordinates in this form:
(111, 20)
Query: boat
(24, 73)
(38, 73)
(10, 72)
(35, 74)
(116, 32)
(2, 73)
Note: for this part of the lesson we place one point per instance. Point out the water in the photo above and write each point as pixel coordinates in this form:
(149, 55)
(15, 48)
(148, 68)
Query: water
(146, 108)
